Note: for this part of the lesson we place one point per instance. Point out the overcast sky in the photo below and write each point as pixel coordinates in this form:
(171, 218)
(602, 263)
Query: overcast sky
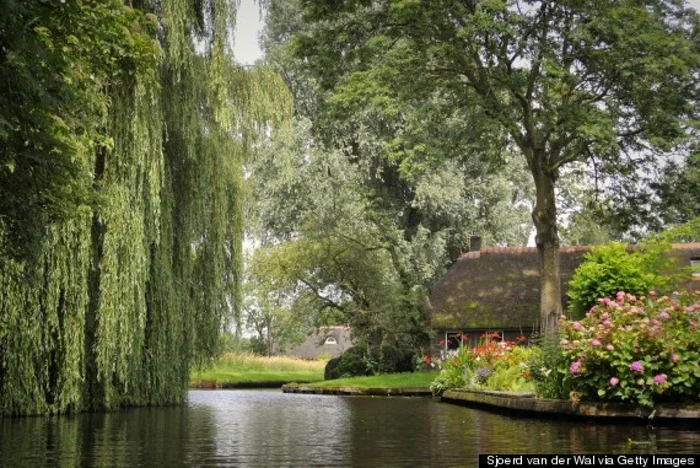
(248, 26)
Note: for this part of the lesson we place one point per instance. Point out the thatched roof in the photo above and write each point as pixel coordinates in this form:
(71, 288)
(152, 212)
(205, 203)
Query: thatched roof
(498, 287)
(331, 341)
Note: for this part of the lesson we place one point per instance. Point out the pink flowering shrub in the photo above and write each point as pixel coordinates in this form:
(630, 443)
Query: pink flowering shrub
(641, 350)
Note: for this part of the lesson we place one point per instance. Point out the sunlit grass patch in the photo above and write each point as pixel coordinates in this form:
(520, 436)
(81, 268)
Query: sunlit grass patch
(247, 367)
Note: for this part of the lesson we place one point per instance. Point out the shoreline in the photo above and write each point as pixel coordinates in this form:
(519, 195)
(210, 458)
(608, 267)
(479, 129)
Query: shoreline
(527, 404)
(358, 391)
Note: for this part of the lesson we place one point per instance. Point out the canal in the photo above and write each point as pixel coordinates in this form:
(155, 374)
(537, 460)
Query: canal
(268, 428)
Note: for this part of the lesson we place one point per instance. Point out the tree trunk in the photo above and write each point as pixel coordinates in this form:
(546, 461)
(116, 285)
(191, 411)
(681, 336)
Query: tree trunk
(544, 216)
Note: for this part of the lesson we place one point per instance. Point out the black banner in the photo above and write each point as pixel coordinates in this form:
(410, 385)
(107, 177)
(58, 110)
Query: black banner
(591, 460)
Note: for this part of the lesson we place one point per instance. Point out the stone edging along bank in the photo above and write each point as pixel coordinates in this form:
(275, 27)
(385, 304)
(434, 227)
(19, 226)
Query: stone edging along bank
(413, 392)
(526, 403)
(213, 384)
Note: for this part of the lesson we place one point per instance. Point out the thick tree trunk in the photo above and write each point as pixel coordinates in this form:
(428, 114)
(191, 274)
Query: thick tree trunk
(544, 216)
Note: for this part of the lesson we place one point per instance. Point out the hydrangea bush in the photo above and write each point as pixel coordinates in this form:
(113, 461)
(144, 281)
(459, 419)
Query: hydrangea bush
(641, 350)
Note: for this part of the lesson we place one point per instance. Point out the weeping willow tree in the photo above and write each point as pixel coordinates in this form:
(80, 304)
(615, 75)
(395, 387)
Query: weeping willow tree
(123, 132)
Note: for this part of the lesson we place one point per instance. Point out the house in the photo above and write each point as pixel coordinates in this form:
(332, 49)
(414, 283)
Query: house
(496, 290)
(327, 341)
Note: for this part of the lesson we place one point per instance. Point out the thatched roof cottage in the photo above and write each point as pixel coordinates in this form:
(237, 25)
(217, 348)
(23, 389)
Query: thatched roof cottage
(327, 341)
(496, 289)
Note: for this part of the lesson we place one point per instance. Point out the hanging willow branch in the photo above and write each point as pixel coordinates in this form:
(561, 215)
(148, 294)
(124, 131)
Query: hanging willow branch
(117, 299)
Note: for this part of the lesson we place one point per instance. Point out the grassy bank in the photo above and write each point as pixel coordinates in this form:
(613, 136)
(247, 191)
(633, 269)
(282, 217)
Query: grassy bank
(235, 368)
(404, 380)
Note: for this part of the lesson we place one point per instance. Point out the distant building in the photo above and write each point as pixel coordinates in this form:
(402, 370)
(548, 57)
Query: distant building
(327, 341)
(497, 289)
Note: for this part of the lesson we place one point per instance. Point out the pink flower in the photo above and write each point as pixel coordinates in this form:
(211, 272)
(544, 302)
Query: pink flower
(636, 366)
(655, 321)
(595, 342)
(575, 367)
(614, 381)
(578, 326)
(664, 315)
(675, 358)
(659, 379)
(652, 293)
(608, 323)
(610, 347)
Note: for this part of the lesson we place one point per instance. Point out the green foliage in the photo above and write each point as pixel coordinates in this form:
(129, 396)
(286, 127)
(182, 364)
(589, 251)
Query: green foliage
(686, 232)
(351, 363)
(356, 224)
(269, 304)
(451, 376)
(545, 361)
(509, 379)
(557, 82)
(610, 268)
(642, 350)
(121, 198)
(492, 364)
(391, 358)
(59, 62)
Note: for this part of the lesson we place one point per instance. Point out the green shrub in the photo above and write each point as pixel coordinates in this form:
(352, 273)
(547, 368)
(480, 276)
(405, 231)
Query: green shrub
(640, 350)
(510, 378)
(545, 360)
(610, 268)
(330, 372)
(391, 359)
(351, 363)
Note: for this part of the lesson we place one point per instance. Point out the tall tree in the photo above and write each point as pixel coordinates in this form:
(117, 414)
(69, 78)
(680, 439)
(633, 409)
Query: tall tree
(611, 82)
(123, 129)
(370, 225)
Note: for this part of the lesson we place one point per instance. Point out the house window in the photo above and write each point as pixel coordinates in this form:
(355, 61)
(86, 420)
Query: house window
(453, 340)
(695, 267)
(331, 341)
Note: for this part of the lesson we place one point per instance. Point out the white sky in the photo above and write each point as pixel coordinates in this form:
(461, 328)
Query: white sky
(249, 24)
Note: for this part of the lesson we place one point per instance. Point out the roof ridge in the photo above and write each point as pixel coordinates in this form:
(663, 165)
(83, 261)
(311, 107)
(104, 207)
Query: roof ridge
(563, 249)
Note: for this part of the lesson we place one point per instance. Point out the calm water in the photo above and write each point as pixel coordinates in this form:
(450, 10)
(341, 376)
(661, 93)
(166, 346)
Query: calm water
(271, 429)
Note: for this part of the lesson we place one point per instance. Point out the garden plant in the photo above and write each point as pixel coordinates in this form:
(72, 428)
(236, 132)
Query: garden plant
(494, 364)
(642, 350)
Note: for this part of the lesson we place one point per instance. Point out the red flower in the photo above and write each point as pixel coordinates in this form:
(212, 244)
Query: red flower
(442, 342)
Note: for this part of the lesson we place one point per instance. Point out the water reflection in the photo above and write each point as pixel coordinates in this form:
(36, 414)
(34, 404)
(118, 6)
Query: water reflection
(268, 428)
(265, 428)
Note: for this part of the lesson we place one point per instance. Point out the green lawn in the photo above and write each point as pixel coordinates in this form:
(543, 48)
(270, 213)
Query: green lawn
(405, 380)
(248, 368)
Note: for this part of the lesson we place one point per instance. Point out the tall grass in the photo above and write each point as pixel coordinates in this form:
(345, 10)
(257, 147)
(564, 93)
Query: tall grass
(248, 367)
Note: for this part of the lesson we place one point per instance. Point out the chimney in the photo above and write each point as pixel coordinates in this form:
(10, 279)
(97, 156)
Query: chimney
(475, 243)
